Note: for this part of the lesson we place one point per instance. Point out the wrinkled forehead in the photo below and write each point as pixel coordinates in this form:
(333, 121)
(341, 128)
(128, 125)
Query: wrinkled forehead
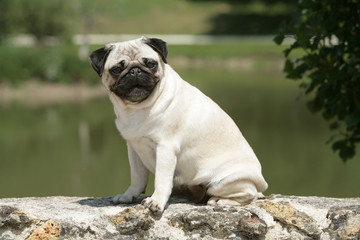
(130, 51)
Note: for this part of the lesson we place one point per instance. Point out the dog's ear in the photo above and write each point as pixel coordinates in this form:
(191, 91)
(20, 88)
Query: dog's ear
(159, 46)
(98, 59)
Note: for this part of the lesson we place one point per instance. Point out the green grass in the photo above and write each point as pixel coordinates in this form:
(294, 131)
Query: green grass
(168, 16)
(155, 16)
(158, 16)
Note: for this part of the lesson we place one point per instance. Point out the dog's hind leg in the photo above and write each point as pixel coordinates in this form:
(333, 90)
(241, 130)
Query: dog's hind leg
(239, 192)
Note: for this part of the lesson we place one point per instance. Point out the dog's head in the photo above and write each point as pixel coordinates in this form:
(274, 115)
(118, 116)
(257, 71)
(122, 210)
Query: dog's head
(131, 69)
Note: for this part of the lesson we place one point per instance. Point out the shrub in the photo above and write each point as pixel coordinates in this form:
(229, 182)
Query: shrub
(328, 32)
(53, 64)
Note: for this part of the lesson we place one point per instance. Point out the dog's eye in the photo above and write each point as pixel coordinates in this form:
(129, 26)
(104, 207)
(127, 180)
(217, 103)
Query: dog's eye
(150, 63)
(116, 70)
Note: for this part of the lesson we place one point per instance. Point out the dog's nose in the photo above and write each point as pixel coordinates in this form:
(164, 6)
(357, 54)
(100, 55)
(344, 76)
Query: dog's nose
(135, 71)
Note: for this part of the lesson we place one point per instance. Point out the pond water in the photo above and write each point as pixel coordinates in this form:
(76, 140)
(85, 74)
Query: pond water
(75, 149)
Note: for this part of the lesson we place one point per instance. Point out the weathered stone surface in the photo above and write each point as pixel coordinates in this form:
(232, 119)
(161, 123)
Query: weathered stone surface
(219, 222)
(49, 230)
(289, 216)
(13, 218)
(345, 222)
(132, 220)
(275, 217)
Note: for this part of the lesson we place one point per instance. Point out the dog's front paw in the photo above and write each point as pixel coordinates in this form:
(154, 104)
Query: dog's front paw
(153, 205)
(122, 198)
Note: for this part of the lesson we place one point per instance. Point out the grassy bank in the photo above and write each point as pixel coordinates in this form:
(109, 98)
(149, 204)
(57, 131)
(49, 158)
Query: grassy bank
(184, 16)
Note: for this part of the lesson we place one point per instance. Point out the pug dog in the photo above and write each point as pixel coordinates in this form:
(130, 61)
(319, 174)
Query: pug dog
(174, 130)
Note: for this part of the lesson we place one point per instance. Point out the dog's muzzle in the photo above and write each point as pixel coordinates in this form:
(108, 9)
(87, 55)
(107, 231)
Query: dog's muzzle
(135, 86)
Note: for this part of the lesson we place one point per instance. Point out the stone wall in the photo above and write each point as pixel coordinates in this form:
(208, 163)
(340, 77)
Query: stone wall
(274, 217)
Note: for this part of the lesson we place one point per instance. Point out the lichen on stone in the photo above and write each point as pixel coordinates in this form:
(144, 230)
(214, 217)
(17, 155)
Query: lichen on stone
(47, 231)
(132, 220)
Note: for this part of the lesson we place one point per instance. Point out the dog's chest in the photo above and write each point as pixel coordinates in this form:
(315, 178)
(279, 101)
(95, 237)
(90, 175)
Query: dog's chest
(134, 127)
(145, 148)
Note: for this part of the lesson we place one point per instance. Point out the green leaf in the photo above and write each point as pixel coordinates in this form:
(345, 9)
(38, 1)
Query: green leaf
(289, 66)
(301, 69)
(303, 39)
(346, 149)
(279, 38)
(352, 119)
(347, 152)
(338, 145)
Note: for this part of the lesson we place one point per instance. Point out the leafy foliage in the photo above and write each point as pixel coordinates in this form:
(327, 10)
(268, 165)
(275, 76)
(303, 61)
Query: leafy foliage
(41, 18)
(58, 63)
(328, 32)
(45, 18)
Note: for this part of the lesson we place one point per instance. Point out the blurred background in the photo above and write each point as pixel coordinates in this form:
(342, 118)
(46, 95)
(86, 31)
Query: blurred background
(57, 131)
